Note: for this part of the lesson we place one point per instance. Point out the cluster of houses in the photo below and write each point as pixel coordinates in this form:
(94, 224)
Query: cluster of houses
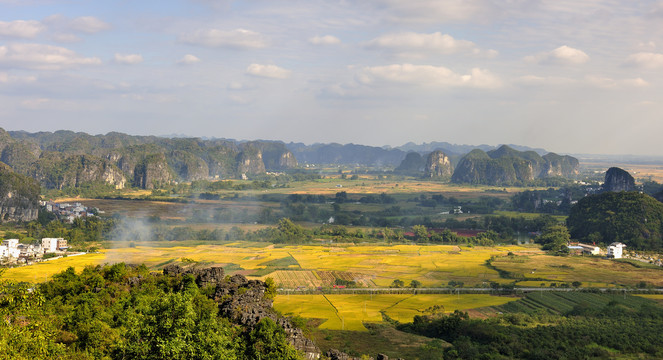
(69, 212)
(615, 250)
(11, 251)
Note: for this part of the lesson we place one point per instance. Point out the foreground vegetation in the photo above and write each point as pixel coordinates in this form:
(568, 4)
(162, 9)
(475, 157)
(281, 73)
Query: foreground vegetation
(120, 312)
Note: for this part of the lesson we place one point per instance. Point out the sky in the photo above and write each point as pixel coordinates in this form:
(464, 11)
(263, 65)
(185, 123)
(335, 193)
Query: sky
(570, 76)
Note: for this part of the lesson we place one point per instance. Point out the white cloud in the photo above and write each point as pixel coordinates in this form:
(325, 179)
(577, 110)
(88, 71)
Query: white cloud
(82, 24)
(88, 24)
(646, 60)
(42, 57)
(25, 29)
(268, 71)
(34, 104)
(427, 75)
(532, 80)
(188, 59)
(417, 11)
(324, 40)
(239, 99)
(408, 42)
(128, 59)
(238, 38)
(236, 85)
(601, 82)
(5, 78)
(563, 55)
(65, 38)
(637, 82)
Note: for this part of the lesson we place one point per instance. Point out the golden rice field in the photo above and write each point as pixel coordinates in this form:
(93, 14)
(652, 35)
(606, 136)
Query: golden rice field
(311, 266)
(42, 271)
(349, 312)
(307, 265)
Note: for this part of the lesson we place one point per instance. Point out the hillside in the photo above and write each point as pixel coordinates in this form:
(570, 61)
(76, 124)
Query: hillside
(507, 166)
(19, 196)
(70, 159)
(631, 218)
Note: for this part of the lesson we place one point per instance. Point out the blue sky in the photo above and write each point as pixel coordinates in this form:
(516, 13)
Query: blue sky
(569, 76)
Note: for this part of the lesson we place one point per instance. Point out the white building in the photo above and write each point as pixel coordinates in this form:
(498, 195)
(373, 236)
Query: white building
(615, 250)
(50, 245)
(10, 243)
(9, 248)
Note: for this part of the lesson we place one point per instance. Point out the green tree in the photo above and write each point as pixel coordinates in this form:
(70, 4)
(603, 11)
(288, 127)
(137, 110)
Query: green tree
(420, 233)
(269, 341)
(554, 238)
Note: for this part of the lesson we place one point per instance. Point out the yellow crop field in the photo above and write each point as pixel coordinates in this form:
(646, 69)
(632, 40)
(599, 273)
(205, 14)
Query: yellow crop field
(42, 271)
(349, 312)
(405, 310)
(295, 266)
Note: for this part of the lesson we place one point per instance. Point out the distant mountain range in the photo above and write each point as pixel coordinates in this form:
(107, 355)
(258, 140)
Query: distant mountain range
(70, 159)
(352, 154)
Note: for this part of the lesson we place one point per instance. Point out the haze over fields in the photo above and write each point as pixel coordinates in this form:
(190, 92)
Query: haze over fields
(567, 76)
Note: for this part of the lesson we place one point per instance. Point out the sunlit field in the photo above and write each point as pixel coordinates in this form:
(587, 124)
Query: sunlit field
(349, 312)
(591, 271)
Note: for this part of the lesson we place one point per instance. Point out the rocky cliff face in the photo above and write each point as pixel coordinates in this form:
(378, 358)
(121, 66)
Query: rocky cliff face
(152, 171)
(187, 166)
(617, 179)
(437, 166)
(506, 166)
(249, 161)
(19, 196)
(66, 158)
(56, 171)
(244, 303)
(559, 166)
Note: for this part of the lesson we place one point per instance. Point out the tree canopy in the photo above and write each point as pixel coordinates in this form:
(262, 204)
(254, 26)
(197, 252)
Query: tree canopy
(632, 218)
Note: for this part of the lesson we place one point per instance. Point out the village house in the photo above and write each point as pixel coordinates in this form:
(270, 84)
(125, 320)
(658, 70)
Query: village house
(615, 250)
(9, 249)
(590, 249)
(51, 245)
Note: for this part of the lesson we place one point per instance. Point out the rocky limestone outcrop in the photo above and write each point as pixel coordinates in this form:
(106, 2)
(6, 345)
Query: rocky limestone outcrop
(57, 170)
(412, 164)
(211, 276)
(286, 161)
(617, 179)
(152, 171)
(506, 166)
(559, 166)
(19, 196)
(437, 166)
(335, 354)
(249, 161)
(188, 166)
(244, 303)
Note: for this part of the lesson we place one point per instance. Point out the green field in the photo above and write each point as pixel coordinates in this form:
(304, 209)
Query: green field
(564, 302)
(590, 271)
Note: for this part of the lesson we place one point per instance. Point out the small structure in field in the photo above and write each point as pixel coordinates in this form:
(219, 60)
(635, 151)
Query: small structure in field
(615, 250)
(590, 249)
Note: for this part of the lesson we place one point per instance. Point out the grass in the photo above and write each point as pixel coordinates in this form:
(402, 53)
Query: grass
(563, 302)
(529, 216)
(591, 271)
